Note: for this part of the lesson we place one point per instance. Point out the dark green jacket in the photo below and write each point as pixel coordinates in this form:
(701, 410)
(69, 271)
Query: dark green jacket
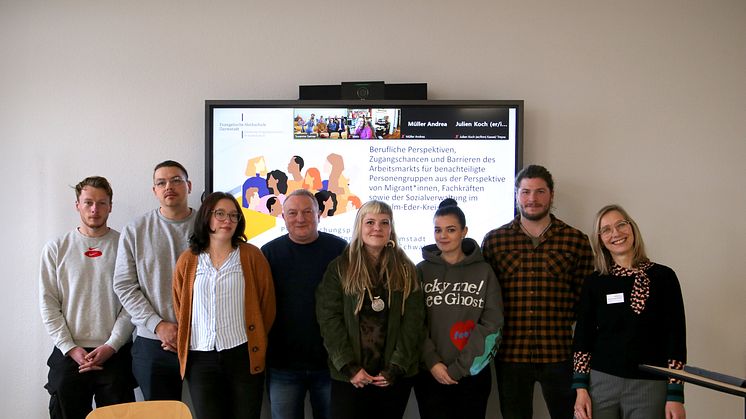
(340, 328)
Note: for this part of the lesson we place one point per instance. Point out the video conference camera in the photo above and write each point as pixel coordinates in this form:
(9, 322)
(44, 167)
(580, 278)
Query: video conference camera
(364, 90)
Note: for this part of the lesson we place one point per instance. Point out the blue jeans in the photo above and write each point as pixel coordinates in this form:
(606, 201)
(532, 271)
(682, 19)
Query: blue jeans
(287, 393)
(515, 386)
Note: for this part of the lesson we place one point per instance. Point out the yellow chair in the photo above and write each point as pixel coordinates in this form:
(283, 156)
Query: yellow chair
(154, 409)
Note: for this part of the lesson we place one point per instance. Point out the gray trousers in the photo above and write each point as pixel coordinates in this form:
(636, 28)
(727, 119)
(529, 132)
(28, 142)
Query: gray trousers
(615, 397)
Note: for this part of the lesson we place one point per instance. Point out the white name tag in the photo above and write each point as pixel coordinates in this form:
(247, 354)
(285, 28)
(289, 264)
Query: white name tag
(614, 298)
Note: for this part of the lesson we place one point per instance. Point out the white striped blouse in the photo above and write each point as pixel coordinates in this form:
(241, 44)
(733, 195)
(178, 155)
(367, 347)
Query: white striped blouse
(218, 321)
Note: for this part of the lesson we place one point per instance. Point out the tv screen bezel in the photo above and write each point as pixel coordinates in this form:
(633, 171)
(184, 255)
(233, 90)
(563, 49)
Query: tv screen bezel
(210, 105)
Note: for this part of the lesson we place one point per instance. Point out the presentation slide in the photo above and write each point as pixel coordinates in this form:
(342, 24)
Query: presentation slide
(411, 158)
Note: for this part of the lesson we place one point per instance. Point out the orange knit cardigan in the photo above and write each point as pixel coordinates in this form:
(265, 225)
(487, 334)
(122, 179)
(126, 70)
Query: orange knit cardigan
(259, 303)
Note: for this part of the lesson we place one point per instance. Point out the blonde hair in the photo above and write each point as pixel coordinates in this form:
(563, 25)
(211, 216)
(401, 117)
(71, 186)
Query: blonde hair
(357, 270)
(602, 257)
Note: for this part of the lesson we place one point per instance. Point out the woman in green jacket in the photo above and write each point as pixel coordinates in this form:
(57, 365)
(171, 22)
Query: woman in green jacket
(371, 313)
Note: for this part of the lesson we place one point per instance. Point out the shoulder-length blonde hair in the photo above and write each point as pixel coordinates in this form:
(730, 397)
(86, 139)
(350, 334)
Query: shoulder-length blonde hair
(358, 272)
(602, 257)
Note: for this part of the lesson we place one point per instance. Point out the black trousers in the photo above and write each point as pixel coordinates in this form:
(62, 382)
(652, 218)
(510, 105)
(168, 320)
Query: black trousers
(222, 386)
(465, 400)
(515, 386)
(72, 392)
(156, 370)
(370, 402)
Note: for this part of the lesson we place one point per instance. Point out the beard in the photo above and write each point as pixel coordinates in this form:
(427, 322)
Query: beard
(94, 224)
(535, 216)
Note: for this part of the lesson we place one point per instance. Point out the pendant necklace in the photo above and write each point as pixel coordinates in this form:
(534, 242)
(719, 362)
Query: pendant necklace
(218, 260)
(376, 303)
(535, 240)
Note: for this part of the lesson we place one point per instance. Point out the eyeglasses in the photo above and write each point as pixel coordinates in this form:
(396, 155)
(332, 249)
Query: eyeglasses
(303, 213)
(620, 225)
(221, 215)
(174, 181)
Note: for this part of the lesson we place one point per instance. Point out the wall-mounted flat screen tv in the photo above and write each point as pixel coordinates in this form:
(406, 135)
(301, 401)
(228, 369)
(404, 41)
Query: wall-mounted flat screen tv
(409, 154)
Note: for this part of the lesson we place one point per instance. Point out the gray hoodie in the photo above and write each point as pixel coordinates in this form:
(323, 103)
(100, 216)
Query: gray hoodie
(464, 311)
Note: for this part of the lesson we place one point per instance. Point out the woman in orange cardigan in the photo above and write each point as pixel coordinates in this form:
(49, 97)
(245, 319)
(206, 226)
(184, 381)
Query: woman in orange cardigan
(225, 305)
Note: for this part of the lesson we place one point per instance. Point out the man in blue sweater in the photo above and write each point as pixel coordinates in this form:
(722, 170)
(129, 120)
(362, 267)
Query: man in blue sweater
(296, 356)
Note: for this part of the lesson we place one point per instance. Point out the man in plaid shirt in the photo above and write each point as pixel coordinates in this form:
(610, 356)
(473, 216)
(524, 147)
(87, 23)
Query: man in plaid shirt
(541, 263)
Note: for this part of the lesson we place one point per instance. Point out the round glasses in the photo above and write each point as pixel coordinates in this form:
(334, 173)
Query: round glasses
(221, 215)
(621, 225)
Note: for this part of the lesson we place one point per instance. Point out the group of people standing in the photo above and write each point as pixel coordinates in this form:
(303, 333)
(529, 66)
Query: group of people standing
(358, 326)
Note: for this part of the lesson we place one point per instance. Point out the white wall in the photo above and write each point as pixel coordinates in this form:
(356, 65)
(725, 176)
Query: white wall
(641, 103)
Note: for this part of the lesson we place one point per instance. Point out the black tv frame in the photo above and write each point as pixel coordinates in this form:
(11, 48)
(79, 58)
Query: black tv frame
(240, 103)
